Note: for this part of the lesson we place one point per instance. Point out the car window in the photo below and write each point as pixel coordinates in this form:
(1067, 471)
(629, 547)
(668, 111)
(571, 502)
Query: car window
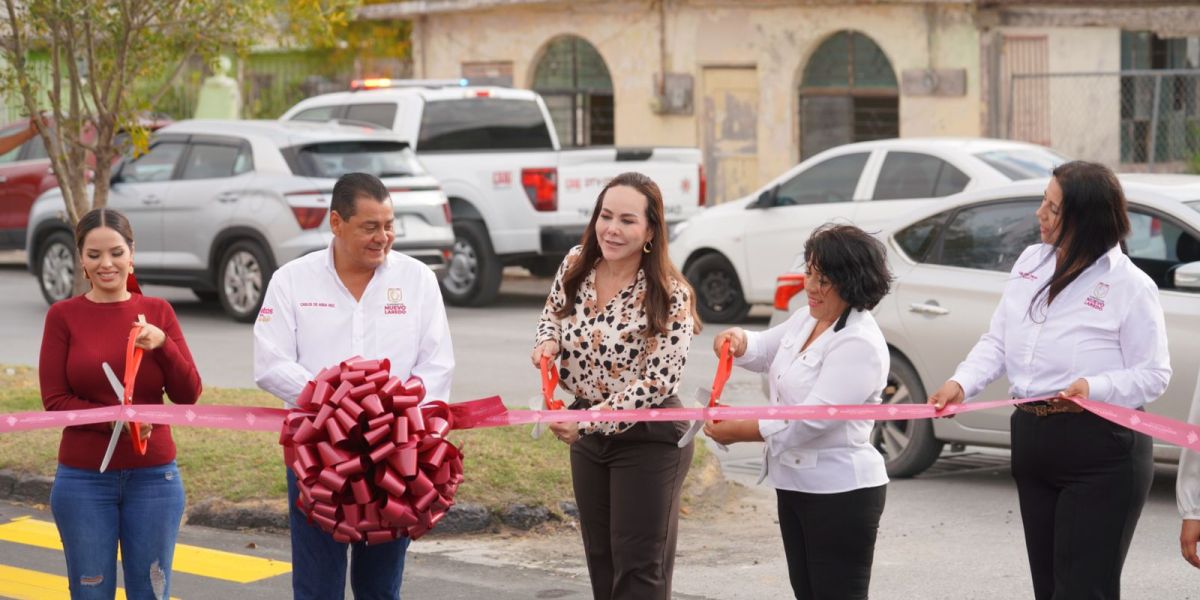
(917, 175)
(16, 130)
(34, 149)
(319, 114)
(832, 180)
(916, 239)
(483, 124)
(989, 237)
(1156, 244)
(383, 115)
(334, 159)
(950, 181)
(209, 161)
(156, 165)
(1025, 163)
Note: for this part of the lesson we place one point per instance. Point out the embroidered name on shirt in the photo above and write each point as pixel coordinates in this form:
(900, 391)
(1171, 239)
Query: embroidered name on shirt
(1029, 276)
(1096, 300)
(395, 302)
(317, 305)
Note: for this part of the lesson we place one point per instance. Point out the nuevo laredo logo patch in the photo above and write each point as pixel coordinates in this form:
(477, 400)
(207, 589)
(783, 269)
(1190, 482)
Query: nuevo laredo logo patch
(395, 302)
(1096, 300)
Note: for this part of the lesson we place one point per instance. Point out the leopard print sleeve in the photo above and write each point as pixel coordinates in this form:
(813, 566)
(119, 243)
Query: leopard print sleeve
(660, 369)
(549, 326)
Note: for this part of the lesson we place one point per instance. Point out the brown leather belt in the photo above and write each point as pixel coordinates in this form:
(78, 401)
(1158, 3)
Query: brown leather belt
(1043, 409)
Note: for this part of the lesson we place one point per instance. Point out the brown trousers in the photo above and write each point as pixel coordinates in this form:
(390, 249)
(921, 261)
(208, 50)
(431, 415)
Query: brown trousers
(627, 487)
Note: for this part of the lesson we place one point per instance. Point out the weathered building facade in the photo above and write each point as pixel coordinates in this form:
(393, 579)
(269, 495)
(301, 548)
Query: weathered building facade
(762, 84)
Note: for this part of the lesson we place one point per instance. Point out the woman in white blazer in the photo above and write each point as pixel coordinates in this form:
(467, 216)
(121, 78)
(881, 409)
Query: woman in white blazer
(830, 481)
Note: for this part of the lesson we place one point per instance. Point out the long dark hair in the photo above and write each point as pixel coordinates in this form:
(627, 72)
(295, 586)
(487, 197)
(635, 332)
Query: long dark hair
(1091, 220)
(661, 274)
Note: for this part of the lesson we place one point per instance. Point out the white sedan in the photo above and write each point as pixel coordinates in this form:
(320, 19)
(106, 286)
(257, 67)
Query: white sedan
(951, 262)
(732, 252)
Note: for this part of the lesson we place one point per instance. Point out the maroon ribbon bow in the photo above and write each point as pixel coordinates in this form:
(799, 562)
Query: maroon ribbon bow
(372, 461)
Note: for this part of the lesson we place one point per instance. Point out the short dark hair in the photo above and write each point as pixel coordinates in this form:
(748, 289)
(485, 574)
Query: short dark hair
(853, 261)
(102, 217)
(352, 186)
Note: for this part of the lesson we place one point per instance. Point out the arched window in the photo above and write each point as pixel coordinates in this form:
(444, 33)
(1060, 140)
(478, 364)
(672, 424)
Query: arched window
(848, 94)
(573, 79)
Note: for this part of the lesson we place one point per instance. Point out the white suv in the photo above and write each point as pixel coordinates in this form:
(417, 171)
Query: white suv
(216, 206)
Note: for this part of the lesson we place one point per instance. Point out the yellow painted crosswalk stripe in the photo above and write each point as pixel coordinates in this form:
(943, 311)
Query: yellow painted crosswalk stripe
(23, 584)
(193, 560)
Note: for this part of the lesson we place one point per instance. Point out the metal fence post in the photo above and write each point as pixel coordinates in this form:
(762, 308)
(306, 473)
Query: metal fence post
(1153, 149)
(1012, 83)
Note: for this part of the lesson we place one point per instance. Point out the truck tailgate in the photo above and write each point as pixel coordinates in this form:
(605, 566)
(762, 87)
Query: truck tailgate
(583, 173)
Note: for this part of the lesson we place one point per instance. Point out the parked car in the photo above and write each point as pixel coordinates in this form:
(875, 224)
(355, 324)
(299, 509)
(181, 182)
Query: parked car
(732, 252)
(951, 262)
(218, 205)
(516, 197)
(25, 174)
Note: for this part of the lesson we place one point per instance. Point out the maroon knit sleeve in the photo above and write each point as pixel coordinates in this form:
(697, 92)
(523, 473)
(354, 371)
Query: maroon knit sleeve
(180, 377)
(52, 368)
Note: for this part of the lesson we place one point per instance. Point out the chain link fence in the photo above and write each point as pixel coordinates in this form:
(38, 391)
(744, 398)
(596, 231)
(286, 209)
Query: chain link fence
(1144, 120)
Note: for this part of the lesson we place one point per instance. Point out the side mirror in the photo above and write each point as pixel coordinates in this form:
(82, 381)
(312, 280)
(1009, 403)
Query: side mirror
(766, 199)
(1186, 276)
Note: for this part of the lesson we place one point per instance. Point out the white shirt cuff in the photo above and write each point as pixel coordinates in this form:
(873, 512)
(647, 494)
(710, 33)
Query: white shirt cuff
(769, 428)
(1099, 387)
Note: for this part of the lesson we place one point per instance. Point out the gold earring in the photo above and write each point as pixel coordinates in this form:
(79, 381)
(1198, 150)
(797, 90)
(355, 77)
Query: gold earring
(646, 249)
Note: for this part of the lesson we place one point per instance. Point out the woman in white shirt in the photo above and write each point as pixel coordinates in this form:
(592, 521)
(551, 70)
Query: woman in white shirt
(1077, 319)
(1187, 492)
(830, 481)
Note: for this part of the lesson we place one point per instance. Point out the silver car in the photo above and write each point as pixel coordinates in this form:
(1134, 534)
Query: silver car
(217, 205)
(951, 262)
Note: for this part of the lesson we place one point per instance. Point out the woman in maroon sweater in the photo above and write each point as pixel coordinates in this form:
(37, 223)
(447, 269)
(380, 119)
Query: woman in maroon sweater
(138, 501)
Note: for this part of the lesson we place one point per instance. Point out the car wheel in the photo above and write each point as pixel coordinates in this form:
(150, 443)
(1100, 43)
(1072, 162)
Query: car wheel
(56, 267)
(473, 276)
(719, 297)
(242, 280)
(908, 447)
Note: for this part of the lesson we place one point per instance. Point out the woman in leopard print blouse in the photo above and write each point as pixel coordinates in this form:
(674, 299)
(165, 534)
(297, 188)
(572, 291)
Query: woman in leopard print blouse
(620, 319)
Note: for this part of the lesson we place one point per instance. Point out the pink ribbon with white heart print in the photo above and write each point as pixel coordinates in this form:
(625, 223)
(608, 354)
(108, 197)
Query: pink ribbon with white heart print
(271, 419)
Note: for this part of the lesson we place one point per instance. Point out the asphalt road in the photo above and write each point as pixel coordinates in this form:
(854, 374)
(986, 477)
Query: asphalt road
(953, 533)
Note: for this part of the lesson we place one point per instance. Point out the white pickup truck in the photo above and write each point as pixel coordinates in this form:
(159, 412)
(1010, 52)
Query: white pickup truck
(515, 196)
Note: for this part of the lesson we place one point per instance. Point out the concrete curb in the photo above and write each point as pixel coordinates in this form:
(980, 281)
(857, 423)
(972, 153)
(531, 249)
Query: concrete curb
(463, 517)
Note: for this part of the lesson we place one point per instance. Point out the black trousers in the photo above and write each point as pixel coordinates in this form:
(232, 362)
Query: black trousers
(627, 487)
(829, 540)
(1082, 482)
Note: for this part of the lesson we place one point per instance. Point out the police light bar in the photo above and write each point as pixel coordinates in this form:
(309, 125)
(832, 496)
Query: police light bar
(384, 82)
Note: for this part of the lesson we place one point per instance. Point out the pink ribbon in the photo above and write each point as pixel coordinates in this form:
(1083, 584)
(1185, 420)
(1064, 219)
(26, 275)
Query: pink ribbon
(483, 413)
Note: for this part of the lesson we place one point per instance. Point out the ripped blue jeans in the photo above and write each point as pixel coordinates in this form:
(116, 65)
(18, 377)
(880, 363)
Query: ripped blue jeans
(138, 508)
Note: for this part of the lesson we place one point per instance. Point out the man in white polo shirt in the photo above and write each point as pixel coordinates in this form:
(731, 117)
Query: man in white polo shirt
(358, 297)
